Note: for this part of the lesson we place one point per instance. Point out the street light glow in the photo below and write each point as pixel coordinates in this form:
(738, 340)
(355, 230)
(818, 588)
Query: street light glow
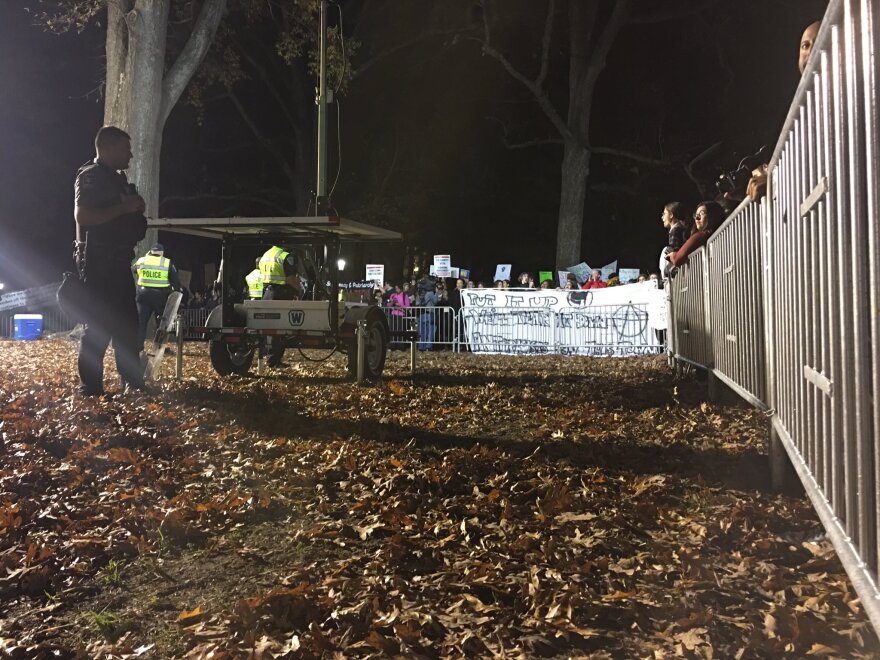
(340, 263)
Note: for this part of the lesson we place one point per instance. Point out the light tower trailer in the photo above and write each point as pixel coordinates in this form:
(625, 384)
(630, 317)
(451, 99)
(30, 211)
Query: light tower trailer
(237, 330)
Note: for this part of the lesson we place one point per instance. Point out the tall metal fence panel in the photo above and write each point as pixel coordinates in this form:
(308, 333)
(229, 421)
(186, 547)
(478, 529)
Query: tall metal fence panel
(823, 292)
(815, 301)
(736, 314)
(690, 319)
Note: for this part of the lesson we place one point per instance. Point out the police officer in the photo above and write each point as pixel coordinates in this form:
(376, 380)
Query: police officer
(278, 270)
(110, 219)
(156, 277)
(254, 281)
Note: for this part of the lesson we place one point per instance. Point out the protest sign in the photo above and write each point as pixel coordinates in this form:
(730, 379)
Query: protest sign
(545, 275)
(617, 321)
(581, 271)
(607, 269)
(465, 273)
(563, 276)
(502, 272)
(376, 273)
(454, 272)
(442, 265)
(628, 275)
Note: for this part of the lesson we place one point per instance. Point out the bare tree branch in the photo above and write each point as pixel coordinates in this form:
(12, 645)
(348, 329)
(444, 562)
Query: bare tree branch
(545, 44)
(424, 36)
(526, 143)
(629, 155)
(192, 55)
(537, 91)
(267, 143)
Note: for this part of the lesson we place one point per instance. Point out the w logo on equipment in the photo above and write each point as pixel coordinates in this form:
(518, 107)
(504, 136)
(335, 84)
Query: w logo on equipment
(297, 317)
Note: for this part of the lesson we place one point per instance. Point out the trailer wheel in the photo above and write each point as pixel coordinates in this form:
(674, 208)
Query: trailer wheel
(376, 349)
(230, 358)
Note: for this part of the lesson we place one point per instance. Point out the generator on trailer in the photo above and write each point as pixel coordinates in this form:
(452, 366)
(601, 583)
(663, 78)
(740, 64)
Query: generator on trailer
(237, 330)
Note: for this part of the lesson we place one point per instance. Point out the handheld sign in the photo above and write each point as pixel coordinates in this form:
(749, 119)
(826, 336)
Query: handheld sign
(502, 272)
(376, 273)
(443, 265)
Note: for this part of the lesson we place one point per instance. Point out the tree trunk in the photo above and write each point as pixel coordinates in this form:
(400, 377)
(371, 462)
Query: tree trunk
(139, 94)
(575, 170)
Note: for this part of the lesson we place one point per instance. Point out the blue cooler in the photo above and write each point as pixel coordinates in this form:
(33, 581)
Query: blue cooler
(27, 326)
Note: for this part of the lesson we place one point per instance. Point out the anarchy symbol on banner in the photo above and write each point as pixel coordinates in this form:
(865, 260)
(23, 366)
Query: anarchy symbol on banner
(629, 321)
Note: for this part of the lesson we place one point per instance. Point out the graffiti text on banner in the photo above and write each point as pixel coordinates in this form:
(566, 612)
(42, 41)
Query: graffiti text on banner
(618, 321)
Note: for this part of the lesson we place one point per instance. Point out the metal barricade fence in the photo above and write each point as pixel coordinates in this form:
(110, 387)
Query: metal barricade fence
(822, 292)
(54, 320)
(436, 326)
(194, 317)
(736, 313)
(817, 287)
(690, 320)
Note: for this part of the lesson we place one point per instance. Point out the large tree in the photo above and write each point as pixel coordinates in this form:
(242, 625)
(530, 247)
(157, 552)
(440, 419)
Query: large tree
(592, 28)
(143, 80)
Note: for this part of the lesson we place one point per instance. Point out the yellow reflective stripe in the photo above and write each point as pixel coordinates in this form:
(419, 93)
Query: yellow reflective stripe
(153, 271)
(272, 266)
(255, 284)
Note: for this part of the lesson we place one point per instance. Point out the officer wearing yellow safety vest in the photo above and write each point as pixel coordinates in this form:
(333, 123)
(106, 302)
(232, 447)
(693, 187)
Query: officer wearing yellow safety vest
(156, 277)
(278, 270)
(254, 281)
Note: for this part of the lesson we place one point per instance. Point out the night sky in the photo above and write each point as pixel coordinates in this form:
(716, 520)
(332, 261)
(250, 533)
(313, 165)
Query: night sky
(422, 132)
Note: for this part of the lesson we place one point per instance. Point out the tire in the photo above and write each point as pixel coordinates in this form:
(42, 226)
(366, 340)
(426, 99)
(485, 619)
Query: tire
(230, 358)
(376, 347)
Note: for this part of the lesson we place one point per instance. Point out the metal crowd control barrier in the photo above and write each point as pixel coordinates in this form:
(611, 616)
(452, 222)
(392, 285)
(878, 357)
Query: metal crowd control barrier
(436, 326)
(194, 317)
(689, 319)
(796, 329)
(736, 312)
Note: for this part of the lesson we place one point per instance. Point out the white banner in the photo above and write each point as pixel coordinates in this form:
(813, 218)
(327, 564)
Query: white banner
(617, 321)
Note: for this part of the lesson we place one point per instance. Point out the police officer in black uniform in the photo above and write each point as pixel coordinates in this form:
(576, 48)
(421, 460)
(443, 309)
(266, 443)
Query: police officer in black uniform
(110, 220)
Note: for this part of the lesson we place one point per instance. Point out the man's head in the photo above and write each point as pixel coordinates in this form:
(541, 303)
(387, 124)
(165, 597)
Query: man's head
(158, 249)
(807, 40)
(596, 275)
(113, 147)
(459, 283)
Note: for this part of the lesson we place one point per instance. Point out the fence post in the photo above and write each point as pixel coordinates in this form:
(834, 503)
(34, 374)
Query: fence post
(178, 361)
(361, 350)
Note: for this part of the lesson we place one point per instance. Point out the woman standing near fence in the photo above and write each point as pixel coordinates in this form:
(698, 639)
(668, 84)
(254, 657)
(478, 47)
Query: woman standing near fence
(398, 301)
(707, 219)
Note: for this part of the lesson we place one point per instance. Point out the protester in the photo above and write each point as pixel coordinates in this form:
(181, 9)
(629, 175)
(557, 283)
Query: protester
(707, 218)
(426, 301)
(595, 280)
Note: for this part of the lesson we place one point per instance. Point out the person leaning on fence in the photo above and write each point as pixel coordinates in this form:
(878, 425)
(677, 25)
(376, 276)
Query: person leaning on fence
(707, 218)
(156, 277)
(757, 187)
(426, 302)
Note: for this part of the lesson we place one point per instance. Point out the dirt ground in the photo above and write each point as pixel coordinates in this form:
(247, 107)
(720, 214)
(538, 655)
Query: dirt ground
(491, 507)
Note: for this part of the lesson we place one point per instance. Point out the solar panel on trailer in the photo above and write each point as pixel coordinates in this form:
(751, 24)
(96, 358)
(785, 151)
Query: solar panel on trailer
(295, 226)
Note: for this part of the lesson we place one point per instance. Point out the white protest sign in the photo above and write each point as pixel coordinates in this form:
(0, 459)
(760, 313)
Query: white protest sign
(607, 269)
(454, 272)
(185, 278)
(502, 272)
(432, 270)
(443, 265)
(581, 271)
(376, 273)
(628, 275)
(563, 276)
(617, 321)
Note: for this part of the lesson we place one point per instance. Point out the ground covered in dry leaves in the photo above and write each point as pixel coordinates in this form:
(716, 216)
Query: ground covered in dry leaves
(487, 507)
